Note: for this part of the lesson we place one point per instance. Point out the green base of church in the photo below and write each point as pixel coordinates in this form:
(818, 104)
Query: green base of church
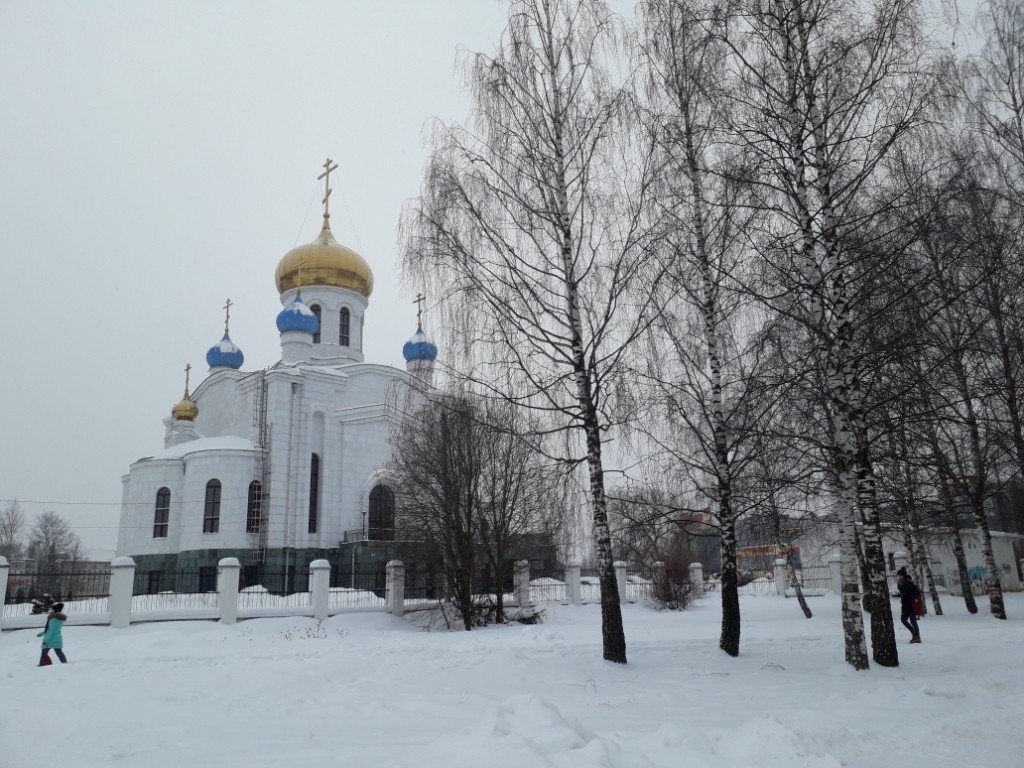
(358, 565)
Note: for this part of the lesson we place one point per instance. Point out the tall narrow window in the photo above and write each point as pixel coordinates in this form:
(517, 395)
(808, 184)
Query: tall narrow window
(254, 511)
(343, 323)
(382, 514)
(211, 512)
(315, 309)
(314, 492)
(162, 513)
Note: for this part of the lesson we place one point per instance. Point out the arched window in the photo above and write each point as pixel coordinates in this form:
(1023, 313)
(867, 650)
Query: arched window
(211, 511)
(315, 309)
(382, 514)
(314, 491)
(254, 513)
(343, 325)
(162, 513)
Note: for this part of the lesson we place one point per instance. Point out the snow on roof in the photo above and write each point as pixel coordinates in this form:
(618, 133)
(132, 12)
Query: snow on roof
(226, 443)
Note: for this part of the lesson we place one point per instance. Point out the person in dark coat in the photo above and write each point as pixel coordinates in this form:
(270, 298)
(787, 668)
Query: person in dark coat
(52, 635)
(908, 592)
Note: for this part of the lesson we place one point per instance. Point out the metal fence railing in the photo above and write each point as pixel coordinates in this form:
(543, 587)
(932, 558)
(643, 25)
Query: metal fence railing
(639, 586)
(159, 595)
(79, 590)
(817, 577)
(164, 591)
(549, 590)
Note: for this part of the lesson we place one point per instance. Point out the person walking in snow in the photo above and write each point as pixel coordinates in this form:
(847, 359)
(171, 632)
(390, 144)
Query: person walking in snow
(909, 593)
(52, 635)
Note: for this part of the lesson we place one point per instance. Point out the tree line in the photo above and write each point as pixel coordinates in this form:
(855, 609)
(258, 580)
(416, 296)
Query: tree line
(49, 542)
(768, 249)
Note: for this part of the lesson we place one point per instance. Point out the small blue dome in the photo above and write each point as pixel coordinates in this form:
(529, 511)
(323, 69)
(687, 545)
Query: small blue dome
(297, 317)
(419, 347)
(224, 354)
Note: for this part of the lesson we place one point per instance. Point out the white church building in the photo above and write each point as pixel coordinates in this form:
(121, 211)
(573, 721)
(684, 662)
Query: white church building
(284, 465)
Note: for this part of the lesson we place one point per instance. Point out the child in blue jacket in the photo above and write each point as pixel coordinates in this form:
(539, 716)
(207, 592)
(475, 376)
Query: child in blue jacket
(52, 637)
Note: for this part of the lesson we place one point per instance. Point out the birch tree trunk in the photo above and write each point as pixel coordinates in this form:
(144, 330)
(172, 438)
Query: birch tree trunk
(820, 79)
(684, 63)
(529, 229)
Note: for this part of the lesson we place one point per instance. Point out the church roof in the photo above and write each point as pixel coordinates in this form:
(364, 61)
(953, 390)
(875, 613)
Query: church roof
(297, 317)
(224, 443)
(324, 261)
(224, 354)
(419, 347)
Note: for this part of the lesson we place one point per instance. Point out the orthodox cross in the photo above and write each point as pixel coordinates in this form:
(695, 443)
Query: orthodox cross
(418, 301)
(227, 315)
(188, 367)
(329, 166)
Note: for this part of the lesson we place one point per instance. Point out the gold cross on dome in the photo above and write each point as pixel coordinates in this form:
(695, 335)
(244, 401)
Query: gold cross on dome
(329, 166)
(418, 301)
(227, 314)
(188, 368)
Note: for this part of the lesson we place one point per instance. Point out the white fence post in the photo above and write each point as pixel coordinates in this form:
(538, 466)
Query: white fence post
(227, 589)
(899, 560)
(620, 579)
(780, 577)
(5, 571)
(396, 587)
(835, 573)
(697, 578)
(521, 583)
(320, 588)
(122, 584)
(572, 582)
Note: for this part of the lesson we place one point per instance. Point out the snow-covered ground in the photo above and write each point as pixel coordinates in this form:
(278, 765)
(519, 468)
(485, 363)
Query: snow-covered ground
(366, 690)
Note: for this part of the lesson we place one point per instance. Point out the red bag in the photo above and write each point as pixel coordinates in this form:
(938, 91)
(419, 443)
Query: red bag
(918, 607)
(45, 661)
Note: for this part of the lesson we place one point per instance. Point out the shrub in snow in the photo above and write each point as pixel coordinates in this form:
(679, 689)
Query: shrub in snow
(671, 589)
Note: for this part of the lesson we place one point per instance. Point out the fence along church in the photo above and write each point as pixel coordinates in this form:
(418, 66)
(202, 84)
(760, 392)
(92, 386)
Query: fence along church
(281, 466)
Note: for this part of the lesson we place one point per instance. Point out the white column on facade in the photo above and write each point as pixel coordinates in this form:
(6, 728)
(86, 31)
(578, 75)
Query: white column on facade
(396, 587)
(620, 579)
(320, 588)
(122, 583)
(697, 578)
(780, 577)
(572, 582)
(227, 589)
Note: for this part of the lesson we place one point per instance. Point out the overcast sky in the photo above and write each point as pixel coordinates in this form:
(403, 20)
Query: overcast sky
(157, 158)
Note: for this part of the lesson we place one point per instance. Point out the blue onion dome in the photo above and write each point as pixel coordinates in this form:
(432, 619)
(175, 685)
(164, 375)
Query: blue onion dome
(419, 347)
(224, 354)
(297, 317)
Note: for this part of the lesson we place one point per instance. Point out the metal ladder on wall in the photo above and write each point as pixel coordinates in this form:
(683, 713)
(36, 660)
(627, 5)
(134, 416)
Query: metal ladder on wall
(261, 441)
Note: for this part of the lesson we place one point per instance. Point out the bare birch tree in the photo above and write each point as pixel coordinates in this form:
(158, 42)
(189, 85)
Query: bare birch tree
(960, 350)
(828, 89)
(700, 366)
(530, 226)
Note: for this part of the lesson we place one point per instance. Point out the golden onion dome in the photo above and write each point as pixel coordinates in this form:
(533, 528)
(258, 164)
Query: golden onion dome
(324, 262)
(186, 410)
